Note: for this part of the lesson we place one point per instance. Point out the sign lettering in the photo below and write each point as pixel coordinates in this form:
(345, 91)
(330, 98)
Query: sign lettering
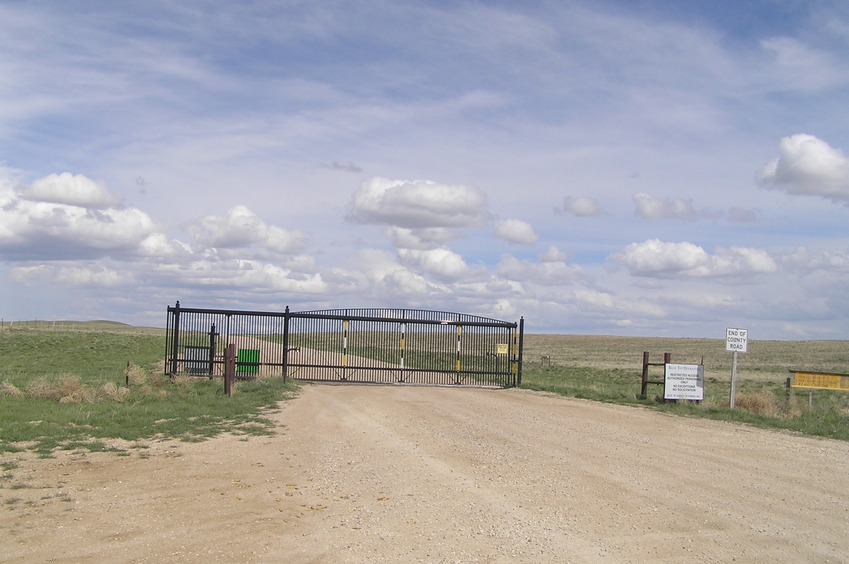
(684, 381)
(736, 340)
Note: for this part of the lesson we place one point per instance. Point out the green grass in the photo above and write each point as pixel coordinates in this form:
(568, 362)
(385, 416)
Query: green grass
(100, 355)
(609, 369)
(70, 392)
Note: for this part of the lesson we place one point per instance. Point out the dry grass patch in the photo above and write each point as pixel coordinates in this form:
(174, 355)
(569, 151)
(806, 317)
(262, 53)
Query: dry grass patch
(68, 388)
(9, 389)
(759, 404)
(111, 391)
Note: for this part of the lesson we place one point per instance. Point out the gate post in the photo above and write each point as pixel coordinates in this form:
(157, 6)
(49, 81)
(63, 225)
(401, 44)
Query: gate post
(521, 347)
(458, 365)
(285, 341)
(212, 335)
(645, 375)
(175, 343)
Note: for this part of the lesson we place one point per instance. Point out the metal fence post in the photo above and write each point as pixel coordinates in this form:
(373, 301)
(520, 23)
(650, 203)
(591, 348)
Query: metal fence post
(521, 348)
(212, 335)
(176, 342)
(286, 318)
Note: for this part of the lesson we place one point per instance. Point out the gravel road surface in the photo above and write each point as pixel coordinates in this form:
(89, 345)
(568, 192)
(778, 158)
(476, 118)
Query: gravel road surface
(362, 473)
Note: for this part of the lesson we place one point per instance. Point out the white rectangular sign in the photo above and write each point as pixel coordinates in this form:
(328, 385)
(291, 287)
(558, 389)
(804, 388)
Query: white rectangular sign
(684, 381)
(736, 340)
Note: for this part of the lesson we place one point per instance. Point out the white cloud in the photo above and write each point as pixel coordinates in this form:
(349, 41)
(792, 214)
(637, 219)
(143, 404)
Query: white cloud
(403, 283)
(71, 189)
(91, 275)
(29, 273)
(595, 298)
(807, 165)
(583, 207)
(553, 254)
(421, 239)
(546, 272)
(240, 229)
(807, 261)
(36, 226)
(418, 204)
(158, 245)
(652, 208)
(655, 258)
(255, 274)
(442, 263)
(516, 231)
(70, 275)
(388, 280)
(250, 275)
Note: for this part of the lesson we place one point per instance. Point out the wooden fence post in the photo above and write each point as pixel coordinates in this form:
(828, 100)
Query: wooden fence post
(644, 381)
(229, 368)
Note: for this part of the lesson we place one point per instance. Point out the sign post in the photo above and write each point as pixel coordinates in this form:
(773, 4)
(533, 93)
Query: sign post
(736, 340)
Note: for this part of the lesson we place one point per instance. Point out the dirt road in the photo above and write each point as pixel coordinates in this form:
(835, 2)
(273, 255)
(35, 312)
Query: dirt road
(418, 474)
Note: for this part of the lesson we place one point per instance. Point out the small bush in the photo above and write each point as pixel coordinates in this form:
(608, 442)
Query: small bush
(136, 375)
(111, 391)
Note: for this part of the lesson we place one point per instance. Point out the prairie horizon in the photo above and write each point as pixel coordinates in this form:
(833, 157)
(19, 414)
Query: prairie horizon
(765, 359)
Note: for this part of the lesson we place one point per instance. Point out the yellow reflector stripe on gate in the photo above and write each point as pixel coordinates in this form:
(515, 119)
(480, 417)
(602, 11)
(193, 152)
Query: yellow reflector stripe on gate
(344, 342)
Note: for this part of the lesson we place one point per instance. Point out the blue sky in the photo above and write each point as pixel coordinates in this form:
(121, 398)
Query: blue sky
(661, 168)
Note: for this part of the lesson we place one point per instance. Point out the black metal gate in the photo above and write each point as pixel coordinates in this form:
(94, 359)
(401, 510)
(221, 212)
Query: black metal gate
(348, 345)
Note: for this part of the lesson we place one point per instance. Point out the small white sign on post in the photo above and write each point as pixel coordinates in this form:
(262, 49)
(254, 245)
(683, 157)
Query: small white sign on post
(684, 382)
(736, 340)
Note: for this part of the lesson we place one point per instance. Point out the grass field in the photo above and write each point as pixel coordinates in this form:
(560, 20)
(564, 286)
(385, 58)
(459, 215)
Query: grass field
(86, 387)
(85, 384)
(609, 369)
